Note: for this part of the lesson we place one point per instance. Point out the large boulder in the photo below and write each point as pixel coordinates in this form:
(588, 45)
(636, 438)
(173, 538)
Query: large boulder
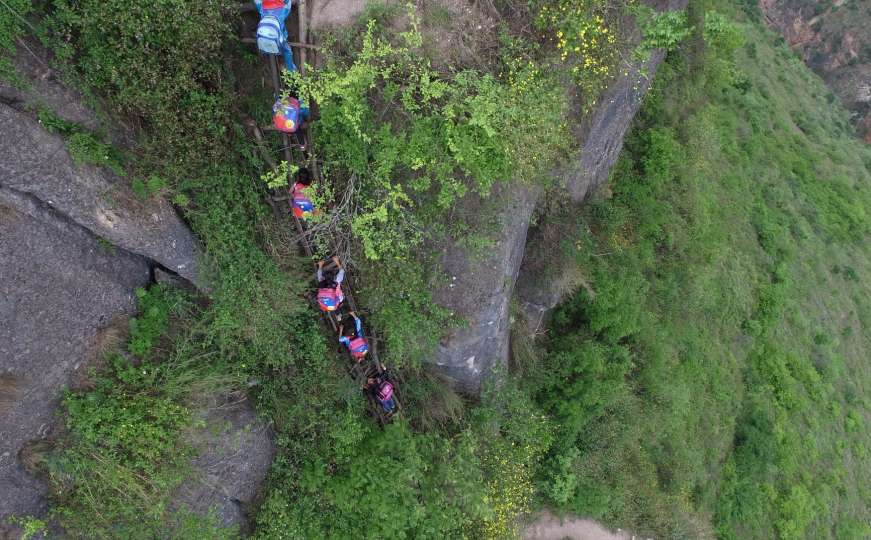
(235, 450)
(479, 290)
(35, 163)
(61, 293)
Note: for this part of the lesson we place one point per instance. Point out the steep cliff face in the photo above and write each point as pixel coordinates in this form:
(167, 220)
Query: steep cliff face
(74, 245)
(546, 277)
(60, 292)
(481, 288)
(835, 41)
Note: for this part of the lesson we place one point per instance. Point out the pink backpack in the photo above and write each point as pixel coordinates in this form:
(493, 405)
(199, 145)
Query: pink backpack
(329, 299)
(385, 392)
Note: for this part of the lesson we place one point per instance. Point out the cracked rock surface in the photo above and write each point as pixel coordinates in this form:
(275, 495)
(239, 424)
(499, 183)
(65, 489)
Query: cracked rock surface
(35, 163)
(60, 291)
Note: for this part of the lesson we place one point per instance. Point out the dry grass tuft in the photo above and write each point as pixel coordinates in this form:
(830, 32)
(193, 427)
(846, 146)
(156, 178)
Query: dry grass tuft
(9, 391)
(34, 454)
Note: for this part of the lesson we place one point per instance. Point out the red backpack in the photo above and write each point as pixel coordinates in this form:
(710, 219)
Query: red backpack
(359, 347)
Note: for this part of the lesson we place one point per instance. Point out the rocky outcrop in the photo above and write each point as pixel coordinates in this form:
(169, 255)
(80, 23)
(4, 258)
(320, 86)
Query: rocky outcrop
(34, 163)
(60, 292)
(74, 245)
(235, 451)
(546, 277)
(834, 41)
(481, 288)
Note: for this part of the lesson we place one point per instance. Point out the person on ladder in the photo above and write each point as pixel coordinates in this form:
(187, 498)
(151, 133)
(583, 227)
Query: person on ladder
(288, 114)
(382, 389)
(330, 295)
(300, 195)
(271, 31)
(356, 342)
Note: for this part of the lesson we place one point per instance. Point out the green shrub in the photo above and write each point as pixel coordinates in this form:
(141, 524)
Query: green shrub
(84, 148)
(13, 25)
(156, 306)
(585, 36)
(660, 29)
(154, 62)
(150, 187)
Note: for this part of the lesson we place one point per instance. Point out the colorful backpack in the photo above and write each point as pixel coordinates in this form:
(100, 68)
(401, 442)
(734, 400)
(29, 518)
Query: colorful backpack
(385, 391)
(286, 115)
(329, 299)
(270, 37)
(359, 347)
(302, 206)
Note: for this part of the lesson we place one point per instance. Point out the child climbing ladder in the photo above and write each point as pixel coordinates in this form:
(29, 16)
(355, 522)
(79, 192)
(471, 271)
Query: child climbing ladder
(334, 296)
(271, 30)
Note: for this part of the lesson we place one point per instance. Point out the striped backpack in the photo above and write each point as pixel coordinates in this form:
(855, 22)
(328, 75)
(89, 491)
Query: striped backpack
(270, 37)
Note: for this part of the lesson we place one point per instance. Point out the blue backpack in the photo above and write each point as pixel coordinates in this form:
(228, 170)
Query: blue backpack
(270, 35)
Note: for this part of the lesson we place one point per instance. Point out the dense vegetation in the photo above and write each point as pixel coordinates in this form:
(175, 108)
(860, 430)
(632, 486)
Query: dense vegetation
(711, 375)
(707, 378)
(444, 470)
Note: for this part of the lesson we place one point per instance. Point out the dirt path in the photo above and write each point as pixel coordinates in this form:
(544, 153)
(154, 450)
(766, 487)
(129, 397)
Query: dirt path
(546, 526)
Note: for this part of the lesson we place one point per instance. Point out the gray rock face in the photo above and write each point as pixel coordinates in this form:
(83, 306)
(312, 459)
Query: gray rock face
(545, 279)
(235, 452)
(607, 126)
(36, 163)
(64, 292)
(483, 288)
(480, 291)
(59, 291)
(42, 89)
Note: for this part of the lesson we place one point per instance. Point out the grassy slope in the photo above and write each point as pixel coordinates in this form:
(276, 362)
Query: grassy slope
(716, 382)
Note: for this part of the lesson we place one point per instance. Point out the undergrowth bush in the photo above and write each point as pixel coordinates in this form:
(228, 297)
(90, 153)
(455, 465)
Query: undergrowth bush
(121, 458)
(353, 480)
(586, 37)
(84, 148)
(155, 62)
